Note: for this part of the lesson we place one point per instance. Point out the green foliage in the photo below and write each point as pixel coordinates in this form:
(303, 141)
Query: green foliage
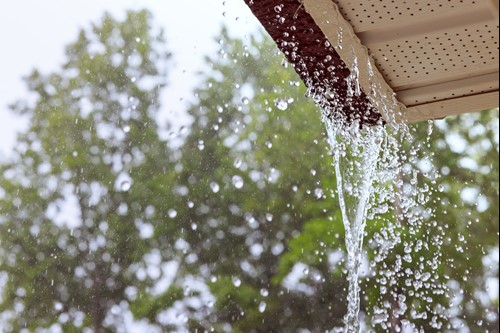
(148, 307)
(233, 301)
(92, 135)
(311, 246)
(241, 231)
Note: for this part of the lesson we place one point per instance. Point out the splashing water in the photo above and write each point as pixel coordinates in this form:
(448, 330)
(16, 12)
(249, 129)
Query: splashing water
(370, 165)
(375, 177)
(376, 180)
(355, 153)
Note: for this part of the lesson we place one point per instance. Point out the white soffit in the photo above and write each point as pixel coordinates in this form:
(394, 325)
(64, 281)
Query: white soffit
(440, 57)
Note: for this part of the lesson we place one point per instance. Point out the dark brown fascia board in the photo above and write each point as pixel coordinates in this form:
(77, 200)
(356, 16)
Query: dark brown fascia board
(315, 60)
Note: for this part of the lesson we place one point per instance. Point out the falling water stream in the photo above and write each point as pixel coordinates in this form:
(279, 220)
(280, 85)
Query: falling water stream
(369, 165)
(375, 180)
(365, 159)
(355, 153)
(374, 176)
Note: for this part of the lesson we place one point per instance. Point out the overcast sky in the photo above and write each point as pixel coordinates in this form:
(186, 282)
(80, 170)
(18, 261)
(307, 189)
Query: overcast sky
(33, 34)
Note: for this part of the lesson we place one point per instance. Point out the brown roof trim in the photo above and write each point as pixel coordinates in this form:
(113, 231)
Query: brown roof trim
(314, 59)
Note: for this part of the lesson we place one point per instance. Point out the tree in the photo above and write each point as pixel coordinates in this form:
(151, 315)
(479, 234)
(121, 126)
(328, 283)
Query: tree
(78, 198)
(250, 170)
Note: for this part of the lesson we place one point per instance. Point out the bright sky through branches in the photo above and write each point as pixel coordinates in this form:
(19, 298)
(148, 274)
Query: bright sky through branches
(35, 33)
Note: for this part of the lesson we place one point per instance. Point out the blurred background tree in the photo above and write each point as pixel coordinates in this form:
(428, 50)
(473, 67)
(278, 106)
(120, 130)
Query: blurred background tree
(234, 227)
(77, 205)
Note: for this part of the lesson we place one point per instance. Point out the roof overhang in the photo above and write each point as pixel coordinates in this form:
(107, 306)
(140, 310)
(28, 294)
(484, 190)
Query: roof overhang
(424, 59)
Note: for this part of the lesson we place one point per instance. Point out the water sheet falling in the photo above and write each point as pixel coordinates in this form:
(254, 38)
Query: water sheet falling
(375, 176)
(355, 153)
(370, 167)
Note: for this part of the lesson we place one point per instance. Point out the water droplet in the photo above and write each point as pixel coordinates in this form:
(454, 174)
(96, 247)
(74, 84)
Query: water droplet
(137, 39)
(215, 187)
(125, 185)
(126, 129)
(264, 292)
(190, 204)
(318, 193)
(440, 188)
(269, 217)
(133, 79)
(237, 181)
(75, 153)
(237, 163)
(201, 145)
(236, 282)
(262, 306)
(58, 306)
(430, 127)
(245, 100)
(281, 104)
(277, 9)
(172, 213)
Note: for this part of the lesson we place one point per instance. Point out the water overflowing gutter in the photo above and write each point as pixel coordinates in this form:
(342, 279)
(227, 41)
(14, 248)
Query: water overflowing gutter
(425, 59)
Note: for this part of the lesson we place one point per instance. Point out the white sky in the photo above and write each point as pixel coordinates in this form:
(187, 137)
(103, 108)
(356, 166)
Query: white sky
(34, 33)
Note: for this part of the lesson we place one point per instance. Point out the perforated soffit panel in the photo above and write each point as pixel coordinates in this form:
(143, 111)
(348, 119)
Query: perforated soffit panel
(440, 57)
